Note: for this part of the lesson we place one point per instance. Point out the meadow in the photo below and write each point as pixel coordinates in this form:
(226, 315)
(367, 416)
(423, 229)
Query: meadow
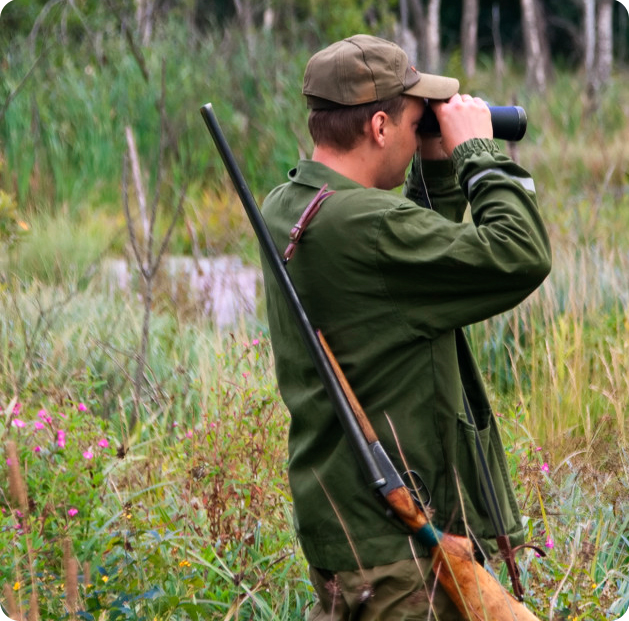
(166, 498)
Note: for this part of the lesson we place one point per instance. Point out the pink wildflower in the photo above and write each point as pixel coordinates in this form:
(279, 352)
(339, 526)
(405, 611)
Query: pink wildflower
(103, 443)
(44, 416)
(88, 454)
(39, 425)
(189, 433)
(545, 467)
(82, 407)
(37, 449)
(18, 423)
(72, 511)
(16, 408)
(549, 543)
(255, 342)
(61, 438)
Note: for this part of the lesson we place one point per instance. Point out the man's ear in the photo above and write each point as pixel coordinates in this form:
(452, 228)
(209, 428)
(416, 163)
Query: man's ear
(378, 124)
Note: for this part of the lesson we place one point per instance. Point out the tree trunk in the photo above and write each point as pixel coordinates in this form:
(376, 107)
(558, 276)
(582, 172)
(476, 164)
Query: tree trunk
(433, 53)
(535, 45)
(469, 36)
(144, 17)
(589, 37)
(419, 20)
(499, 59)
(622, 36)
(404, 36)
(604, 44)
(244, 13)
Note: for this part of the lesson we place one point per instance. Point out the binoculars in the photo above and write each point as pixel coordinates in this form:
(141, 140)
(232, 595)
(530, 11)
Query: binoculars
(509, 122)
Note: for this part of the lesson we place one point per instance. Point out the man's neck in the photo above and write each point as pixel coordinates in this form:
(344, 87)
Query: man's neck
(356, 164)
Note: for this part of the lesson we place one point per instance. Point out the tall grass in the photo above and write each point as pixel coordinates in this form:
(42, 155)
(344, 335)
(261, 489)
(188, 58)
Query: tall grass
(183, 516)
(63, 136)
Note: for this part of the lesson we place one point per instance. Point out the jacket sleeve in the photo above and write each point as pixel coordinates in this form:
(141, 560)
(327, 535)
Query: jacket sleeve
(442, 274)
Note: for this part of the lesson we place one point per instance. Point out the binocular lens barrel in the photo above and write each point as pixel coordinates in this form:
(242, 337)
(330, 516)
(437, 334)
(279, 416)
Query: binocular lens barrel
(508, 122)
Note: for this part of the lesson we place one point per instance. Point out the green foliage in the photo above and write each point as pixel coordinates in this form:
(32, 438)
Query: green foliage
(12, 228)
(184, 518)
(57, 251)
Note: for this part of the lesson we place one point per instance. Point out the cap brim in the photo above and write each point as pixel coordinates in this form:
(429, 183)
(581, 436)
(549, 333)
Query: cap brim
(433, 87)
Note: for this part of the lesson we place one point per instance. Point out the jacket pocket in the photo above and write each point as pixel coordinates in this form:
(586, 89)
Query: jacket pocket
(469, 472)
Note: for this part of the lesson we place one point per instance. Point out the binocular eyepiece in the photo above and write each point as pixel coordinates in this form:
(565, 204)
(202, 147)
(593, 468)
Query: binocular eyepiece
(509, 122)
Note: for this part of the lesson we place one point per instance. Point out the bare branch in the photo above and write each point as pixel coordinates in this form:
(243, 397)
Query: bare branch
(161, 106)
(135, 246)
(13, 94)
(171, 228)
(137, 180)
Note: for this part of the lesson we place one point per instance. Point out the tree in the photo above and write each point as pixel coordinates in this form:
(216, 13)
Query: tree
(598, 48)
(535, 45)
(426, 29)
(469, 36)
(604, 44)
(589, 36)
(419, 19)
(433, 26)
(498, 51)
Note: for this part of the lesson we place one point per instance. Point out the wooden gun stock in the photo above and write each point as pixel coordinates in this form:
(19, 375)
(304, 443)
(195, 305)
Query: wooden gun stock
(476, 593)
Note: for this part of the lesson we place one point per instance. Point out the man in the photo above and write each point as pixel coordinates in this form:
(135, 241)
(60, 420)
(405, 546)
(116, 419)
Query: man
(390, 279)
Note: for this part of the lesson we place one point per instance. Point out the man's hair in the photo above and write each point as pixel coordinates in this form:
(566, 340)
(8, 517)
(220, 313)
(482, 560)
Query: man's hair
(341, 128)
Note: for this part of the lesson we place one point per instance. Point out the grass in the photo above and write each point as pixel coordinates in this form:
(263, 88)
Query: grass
(172, 516)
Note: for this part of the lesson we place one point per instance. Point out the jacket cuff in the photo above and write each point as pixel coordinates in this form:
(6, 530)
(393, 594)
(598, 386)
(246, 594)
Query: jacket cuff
(474, 146)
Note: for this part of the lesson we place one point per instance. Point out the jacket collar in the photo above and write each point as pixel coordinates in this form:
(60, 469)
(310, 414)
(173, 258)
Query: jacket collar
(315, 174)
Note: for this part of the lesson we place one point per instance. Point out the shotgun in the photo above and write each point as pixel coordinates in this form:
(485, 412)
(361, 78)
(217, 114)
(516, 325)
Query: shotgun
(476, 593)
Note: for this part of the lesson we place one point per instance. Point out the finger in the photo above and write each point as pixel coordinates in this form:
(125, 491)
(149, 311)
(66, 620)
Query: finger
(456, 97)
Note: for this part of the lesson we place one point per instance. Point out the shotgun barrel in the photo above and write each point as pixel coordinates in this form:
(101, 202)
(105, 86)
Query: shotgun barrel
(478, 596)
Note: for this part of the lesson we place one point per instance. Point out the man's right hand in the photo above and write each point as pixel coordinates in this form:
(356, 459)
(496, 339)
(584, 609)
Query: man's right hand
(461, 118)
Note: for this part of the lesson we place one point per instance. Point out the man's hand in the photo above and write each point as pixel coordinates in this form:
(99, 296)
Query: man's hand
(461, 118)
(430, 147)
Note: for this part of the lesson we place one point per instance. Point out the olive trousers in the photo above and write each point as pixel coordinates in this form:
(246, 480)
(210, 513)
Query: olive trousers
(402, 591)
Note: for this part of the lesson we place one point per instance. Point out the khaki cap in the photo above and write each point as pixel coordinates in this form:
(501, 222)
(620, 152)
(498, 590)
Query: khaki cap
(363, 69)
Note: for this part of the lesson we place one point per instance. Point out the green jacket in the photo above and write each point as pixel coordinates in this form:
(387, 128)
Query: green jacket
(388, 281)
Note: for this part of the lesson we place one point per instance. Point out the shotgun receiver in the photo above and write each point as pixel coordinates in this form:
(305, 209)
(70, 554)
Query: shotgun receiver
(477, 594)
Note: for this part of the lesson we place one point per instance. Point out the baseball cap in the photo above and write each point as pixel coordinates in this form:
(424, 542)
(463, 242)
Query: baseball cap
(363, 69)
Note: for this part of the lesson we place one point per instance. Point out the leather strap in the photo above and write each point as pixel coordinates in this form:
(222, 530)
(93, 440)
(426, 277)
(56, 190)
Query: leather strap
(309, 213)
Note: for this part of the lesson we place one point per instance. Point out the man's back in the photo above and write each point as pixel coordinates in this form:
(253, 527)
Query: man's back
(375, 275)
